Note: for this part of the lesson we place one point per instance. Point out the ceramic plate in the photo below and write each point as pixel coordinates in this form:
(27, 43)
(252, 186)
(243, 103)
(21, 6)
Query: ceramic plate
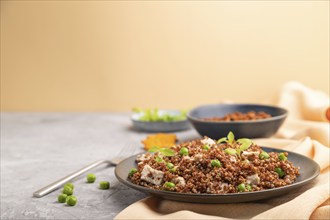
(309, 170)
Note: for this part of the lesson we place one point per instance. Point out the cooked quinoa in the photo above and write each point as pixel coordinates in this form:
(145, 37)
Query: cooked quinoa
(209, 167)
(240, 116)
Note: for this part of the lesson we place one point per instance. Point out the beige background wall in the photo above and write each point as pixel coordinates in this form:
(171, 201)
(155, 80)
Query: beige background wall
(112, 55)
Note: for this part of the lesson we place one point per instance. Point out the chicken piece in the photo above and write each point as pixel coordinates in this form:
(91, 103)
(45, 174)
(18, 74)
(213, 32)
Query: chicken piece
(152, 175)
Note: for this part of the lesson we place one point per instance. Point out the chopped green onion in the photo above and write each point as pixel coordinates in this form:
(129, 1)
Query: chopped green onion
(263, 155)
(132, 171)
(280, 172)
(282, 156)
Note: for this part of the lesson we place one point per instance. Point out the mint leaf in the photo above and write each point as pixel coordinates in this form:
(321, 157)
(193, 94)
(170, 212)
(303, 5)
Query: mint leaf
(231, 137)
(154, 149)
(244, 140)
(230, 151)
(245, 143)
(224, 139)
(244, 146)
(167, 152)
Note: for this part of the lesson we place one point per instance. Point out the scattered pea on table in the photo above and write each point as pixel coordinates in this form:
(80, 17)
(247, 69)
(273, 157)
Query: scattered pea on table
(62, 198)
(90, 178)
(67, 190)
(69, 185)
(104, 185)
(71, 200)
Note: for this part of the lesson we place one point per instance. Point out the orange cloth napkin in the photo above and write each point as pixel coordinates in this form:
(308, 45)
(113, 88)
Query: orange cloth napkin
(312, 201)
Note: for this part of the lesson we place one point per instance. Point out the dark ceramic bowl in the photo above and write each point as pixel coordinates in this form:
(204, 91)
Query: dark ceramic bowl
(261, 128)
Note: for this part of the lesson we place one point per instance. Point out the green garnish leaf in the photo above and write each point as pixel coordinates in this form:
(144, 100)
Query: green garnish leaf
(245, 143)
(244, 140)
(224, 139)
(154, 149)
(159, 159)
(167, 152)
(230, 137)
(245, 146)
(230, 151)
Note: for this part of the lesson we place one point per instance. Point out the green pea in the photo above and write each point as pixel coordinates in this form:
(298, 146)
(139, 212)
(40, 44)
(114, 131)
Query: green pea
(168, 185)
(169, 165)
(206, 147)
(159, 159)
(69, 185)
(282, 156)
(280, 172)
(230, 151)
(62, 198)
(172, 170)
(241, 187)
(71, 200)
(104, 185)
(91, 178)
(263, 155)
(249, 187)
(215, 163)
(184, 151)
(132, 171)
(67, 190)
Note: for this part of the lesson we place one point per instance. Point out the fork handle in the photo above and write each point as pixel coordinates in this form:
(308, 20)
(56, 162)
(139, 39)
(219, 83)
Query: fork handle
(57, 184)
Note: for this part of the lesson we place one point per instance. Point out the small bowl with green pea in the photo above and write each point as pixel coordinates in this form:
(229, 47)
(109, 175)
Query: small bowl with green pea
(159, 120)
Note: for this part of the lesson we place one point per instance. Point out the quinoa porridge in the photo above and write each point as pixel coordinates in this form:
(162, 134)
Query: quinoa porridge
(207, 166)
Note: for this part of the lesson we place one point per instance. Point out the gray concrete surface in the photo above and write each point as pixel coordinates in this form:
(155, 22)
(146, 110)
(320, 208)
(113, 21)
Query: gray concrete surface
(39, 148)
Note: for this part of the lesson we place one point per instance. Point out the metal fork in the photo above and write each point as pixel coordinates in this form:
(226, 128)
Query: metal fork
(125, 151)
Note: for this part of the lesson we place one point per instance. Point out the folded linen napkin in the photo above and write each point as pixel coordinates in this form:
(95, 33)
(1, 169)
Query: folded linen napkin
(311, 201)
(309, 112)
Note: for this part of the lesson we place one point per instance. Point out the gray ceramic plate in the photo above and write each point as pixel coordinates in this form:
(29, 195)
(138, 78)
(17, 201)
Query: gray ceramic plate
(309, 170)
(160, 126)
